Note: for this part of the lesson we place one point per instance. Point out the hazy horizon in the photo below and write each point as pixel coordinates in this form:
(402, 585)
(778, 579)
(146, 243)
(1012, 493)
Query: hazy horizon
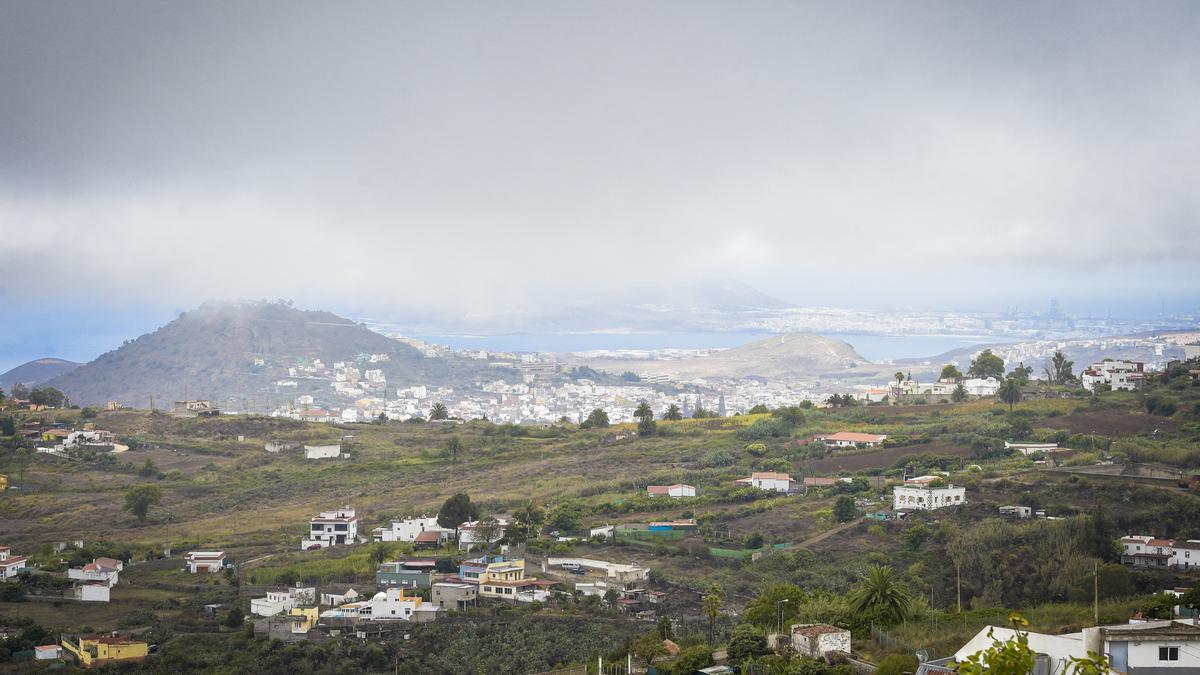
(406, 159)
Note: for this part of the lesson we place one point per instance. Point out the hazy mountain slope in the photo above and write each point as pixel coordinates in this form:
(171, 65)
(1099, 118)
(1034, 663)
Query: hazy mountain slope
(210, 353)
(789, 356)
(35, 372)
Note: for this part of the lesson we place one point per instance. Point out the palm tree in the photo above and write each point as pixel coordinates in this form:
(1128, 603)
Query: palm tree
(673, 414)
(879, 593)
(643, 413)
(714, 601)
(1059, 369)
(899, 377)
(1010, 392)
(439, 412)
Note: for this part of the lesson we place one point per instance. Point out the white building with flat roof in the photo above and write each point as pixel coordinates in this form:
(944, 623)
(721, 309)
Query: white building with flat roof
(331, 528)
(920, 494)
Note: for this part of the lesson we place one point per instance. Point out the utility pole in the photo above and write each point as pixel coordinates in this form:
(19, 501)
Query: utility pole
(1096, 592)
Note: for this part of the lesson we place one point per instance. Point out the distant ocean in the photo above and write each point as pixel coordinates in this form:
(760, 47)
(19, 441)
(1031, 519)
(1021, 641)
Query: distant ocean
(873, 347)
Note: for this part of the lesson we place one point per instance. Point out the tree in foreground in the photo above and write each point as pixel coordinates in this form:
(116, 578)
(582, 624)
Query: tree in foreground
(439, 412)
(879, 593)
(1059, 369)
(648, 647)
(1010, 393)
(140, 498)
(643, 412)
(457, 510)
(844, 509)
(959, 394)
(746, 643)
(673, 413)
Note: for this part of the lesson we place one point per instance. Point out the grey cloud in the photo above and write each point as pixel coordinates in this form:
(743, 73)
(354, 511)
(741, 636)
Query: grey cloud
(483, 154)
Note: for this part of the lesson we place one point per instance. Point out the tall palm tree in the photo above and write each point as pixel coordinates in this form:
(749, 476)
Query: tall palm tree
(878, 592)
(899, 377)
(673, 413)
(439, 412)
(1010, 392)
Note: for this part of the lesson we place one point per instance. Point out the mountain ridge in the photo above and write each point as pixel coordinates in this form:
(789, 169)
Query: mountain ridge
(35, 372)
(223, 351)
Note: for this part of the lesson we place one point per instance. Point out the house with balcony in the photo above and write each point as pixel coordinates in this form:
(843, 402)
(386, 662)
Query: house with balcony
(1146, 551)
(1116, 374)
(331, 528)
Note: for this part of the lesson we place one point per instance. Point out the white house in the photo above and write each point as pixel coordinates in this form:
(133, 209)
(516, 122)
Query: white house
(469, 533)
(767, 480)
(205, 561)
(615, 571)
(47, 652)
(850, 439)
(918, 493)
(331, 528)
(278, 602)
(409, 528)
(1146, 551)
(1119, 375)
(815, 640)
(389, 605)
(101, 570)
(975, 386)
(1153, 647)
(91, 592)
(10, 565)
(322, 451)
(338, 599)
(676, 491)
(1028, 449)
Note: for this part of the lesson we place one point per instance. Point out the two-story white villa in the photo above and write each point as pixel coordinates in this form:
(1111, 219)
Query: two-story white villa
(1146, 551)
(331, 528)
(920, 494)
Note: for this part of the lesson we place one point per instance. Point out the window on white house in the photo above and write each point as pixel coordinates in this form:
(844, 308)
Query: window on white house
(1168, 653)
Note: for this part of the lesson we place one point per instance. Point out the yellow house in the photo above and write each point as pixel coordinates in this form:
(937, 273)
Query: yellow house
(3, 482)
(308, 618)
(101, 649)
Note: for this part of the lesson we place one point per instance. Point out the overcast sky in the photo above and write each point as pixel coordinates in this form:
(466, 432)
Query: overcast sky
(386, 156)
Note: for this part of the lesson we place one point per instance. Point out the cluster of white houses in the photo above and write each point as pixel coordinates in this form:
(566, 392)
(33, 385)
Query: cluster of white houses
(1146, 551)
(1117, 375)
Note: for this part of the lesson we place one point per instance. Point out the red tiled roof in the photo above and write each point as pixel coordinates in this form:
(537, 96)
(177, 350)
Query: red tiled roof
(770, 475)
(819, 480)
(816, 629)
(428, 536)
(658, 490)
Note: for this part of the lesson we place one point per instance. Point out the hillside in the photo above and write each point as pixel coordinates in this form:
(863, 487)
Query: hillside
(788, 356)
(240, 351)
(36, 372)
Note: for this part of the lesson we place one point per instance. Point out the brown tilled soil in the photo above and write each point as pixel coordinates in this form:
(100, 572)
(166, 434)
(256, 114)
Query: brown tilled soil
(883, 459)
(1109, 423)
